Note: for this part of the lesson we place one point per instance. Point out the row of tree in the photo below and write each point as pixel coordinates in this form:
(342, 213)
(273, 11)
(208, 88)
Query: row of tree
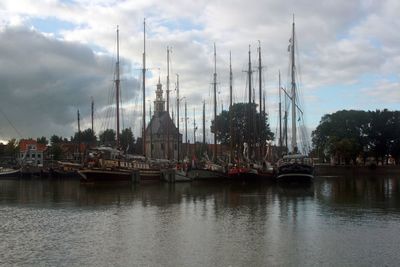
(348, 134)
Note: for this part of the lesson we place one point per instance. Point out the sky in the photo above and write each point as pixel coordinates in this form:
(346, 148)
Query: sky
(57, 56)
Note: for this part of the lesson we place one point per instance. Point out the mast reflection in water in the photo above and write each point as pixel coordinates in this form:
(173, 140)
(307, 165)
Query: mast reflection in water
(335, 220)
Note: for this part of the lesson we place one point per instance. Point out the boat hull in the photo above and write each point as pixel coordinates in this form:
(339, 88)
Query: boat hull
(150, 175)
(202, 174)
(247, 174)
(99, 175)
(295, 172)
(10, 173)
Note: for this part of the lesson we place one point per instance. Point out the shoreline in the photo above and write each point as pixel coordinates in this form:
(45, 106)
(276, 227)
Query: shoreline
(354, 169)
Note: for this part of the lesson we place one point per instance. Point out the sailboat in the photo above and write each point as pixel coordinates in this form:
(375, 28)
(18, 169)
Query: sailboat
(106, 164)
(248, 169)
(294, 167)
(208, 169)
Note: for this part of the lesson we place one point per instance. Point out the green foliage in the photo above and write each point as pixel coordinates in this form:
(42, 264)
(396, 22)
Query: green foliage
(244, 129)
(12, 147)
(54, 139)
(348, 134)
(42, 140)
(127, 140)
(107, 138)
(86, 137)
(56, 152)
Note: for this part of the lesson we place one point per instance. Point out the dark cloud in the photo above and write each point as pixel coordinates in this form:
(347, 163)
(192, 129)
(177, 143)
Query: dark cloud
(43, 81)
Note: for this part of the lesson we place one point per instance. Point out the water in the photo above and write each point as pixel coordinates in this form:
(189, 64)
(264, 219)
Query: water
(337, 221)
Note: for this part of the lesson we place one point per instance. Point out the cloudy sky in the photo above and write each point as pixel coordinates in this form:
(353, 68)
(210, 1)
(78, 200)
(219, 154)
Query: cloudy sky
(55, 56)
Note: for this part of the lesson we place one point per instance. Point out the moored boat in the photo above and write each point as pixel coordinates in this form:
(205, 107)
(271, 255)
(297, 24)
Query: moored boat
(8, 172)
(295, 168)
(108, 174)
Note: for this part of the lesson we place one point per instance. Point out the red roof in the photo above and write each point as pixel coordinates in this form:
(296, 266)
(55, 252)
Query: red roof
(25, 143)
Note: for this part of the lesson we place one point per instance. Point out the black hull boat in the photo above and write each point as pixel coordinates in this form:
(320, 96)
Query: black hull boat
(295, 173)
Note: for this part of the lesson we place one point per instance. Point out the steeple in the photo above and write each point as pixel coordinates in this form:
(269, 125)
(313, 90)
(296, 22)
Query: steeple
(159, 103)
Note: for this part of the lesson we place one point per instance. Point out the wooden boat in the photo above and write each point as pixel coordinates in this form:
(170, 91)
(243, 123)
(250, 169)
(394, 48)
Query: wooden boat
(108, 174)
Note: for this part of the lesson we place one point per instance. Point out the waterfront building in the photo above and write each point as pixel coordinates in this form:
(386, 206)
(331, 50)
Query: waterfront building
(162, 136)
(31, 152)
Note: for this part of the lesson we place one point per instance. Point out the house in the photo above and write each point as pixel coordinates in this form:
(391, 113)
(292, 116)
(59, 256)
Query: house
(31, 152)
(72, 151)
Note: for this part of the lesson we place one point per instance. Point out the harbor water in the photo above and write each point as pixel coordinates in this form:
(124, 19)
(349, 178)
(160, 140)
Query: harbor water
(335, 221)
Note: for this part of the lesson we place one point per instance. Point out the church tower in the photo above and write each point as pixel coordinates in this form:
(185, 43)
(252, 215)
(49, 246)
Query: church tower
(159, 103)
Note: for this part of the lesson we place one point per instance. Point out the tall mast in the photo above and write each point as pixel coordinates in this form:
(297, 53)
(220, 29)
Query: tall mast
(215, 103)
(177, 110)
(230, 106)
(294, 132)
(117, 88)
(186, 138)
(280, 112)
(260, 96)
(151, 133)
(168, 157)
(92, 112)
(79, 137)
(249, 119)
(204, 123)
(194, 130)
(144, 89)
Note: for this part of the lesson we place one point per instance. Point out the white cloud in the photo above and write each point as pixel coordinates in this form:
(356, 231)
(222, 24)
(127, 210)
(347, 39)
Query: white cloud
(340, 42)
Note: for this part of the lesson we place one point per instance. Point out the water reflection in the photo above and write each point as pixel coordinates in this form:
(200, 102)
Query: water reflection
(51, 222)
(363, 190)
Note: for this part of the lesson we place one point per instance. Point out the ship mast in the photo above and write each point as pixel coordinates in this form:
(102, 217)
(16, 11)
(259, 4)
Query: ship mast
(168, 156)
(249, 120)
(92, 113)
(194, 130)
(117, 82)
(230, 106)
(260, 88)
(79, 137)
(215, 104)
(204, 125)
(293, 69)
(144, 89)
(177, 110)
(280, 113)
(186, 138)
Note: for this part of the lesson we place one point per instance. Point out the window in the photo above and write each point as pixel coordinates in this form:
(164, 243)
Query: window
(33, 155)
(162, 146)
(39, 156)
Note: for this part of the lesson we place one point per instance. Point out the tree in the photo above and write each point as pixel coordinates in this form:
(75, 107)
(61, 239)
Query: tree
(107, 138)
(348, 134)
(42, 140)
(86, 137)
(241, 124)
(56, 152)
(54, 139)
(11, 148)
(127, 141)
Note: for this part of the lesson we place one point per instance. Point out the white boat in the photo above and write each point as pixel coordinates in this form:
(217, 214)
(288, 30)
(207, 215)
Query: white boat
(8, 172)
